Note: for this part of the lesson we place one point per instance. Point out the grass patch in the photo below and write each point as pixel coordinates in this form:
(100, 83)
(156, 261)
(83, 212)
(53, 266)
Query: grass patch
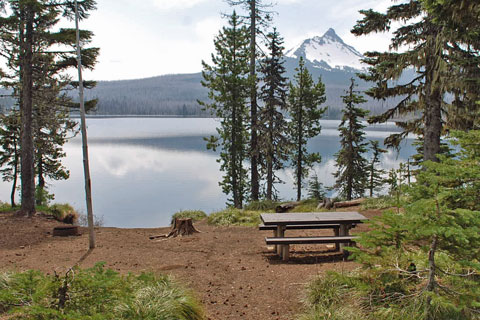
(95, 293)
(234, 217)
(370, 295)
(5, 207)
(195, 215)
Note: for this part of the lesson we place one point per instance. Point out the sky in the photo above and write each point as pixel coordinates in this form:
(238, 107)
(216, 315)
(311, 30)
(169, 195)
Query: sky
(147, 38)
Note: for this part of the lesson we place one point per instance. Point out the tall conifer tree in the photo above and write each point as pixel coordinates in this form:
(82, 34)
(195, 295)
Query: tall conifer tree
(304, 100)
(273, 140)
(228, 84)
(429, 52)
(352, 166)
(257, 19)
(27, 41)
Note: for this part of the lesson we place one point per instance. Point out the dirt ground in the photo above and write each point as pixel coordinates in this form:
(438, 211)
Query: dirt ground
(231, 269)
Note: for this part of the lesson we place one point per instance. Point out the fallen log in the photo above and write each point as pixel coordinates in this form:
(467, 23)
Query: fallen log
(181, 227)
(326, 203)
(284, 207)
(350, 203)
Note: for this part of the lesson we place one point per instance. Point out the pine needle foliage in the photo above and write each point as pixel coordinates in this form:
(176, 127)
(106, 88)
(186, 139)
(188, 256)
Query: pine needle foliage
(429, 250)
(351, 175)
(228, 84)
(304, 101)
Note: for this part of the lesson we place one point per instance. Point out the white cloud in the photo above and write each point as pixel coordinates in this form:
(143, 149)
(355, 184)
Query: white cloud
(166, 5)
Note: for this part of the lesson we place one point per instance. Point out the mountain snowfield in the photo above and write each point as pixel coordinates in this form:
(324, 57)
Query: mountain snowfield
(328, 52)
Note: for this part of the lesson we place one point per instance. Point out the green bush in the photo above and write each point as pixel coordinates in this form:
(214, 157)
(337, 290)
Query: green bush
(237, 217)
(95, 293)
(63, 212)
(195, 215)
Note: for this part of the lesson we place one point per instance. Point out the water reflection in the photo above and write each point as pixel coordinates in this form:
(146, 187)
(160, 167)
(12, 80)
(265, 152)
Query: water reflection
(143, 170)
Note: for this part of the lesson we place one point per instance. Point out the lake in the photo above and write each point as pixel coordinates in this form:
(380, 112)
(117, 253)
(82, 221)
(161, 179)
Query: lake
(145, 169)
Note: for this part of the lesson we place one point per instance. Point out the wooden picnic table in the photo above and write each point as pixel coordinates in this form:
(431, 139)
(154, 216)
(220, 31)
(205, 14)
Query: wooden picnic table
(281, 220)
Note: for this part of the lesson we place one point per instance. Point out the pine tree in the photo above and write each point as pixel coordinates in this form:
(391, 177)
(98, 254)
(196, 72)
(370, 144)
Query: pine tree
(376, 179)
(257, 18)
(273, 140)
(31, 46)
(352, 173)
(304, 100)
(315, 188)
(437, 233)
(429, 52)
(227, 80)
(10, 150)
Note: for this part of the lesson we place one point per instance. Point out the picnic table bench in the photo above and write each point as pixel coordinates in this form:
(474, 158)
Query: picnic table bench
(340, 222)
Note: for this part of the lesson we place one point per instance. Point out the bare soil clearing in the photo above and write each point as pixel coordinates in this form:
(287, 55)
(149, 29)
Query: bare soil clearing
(232, 271)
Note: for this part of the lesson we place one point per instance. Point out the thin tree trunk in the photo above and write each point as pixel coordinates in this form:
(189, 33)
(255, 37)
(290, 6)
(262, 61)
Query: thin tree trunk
(431, 276)
(26, 106)
(15, 173)
(299, 158)
(86, 163)
(253, 105)
(41, 180)
(270, 152)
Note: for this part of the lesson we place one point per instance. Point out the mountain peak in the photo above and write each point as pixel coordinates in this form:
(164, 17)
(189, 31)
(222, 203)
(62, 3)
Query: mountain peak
(331, 34)
(328, 50)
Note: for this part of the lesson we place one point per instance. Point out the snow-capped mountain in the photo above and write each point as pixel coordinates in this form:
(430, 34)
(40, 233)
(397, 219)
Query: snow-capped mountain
(327, 52)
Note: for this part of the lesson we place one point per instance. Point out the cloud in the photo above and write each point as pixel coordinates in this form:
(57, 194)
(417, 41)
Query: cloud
(167, 5)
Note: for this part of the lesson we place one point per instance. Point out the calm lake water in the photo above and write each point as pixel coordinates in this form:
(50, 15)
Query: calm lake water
(145, 169)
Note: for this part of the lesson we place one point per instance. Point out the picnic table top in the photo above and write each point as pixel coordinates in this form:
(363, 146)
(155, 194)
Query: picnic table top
(312, 218)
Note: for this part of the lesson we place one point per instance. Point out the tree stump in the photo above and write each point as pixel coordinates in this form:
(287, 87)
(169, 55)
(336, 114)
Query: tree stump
(181, 227)
(65, 231)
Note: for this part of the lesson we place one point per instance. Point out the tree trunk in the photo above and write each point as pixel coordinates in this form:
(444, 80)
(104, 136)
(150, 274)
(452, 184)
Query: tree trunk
(41, 181)
(433, 105)
(270, 151)
(15, 172)
(26, 106)
(431, 276)
(253, 104)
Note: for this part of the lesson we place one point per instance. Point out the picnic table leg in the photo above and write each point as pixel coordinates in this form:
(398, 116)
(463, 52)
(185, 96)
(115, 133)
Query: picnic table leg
(337, 233)
(280, 234)
(285, 252)
(343, 232)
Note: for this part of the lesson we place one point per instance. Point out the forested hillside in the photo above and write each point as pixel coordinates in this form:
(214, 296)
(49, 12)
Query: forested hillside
(178, 94)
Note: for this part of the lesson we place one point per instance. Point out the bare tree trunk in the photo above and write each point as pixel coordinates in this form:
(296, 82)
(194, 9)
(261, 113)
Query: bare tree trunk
(41, 180)
(253, 104)
(431, 276)
(26, 107)
(86, 164)
(15, 173)
(270, 154)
